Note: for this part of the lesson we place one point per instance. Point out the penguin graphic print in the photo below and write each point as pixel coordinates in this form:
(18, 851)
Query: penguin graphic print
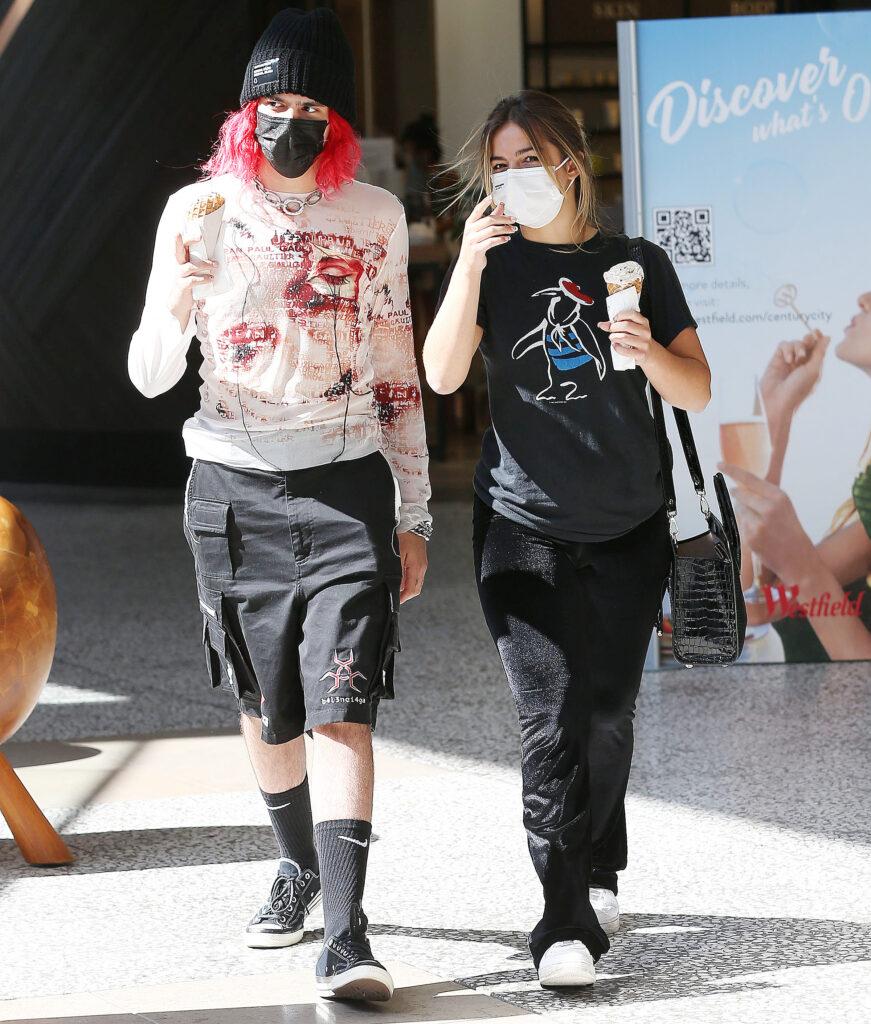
(572, 356)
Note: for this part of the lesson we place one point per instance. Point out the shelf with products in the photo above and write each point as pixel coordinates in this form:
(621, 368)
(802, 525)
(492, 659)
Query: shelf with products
(556, 61)
(552, 64)
(583, 74)
(576, 72)
(600, 116)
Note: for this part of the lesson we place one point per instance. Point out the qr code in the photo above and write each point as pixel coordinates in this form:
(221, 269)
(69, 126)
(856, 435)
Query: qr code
(685, 232)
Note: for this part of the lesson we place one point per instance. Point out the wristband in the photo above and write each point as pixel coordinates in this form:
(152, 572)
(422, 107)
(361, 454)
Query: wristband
(422, 530)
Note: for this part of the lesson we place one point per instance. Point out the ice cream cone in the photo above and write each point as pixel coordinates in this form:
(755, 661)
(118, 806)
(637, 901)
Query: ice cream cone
(205, 204)
(624, 275)
(624, 282)
(205, 218)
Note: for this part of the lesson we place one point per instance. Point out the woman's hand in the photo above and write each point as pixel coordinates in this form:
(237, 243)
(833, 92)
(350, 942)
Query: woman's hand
(770, 525)
(191, 271)
(791, 375)
(482, 233)
(412, 551)
(630, 335)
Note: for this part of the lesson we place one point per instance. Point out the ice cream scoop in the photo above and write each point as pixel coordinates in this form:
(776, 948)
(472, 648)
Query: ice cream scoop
(624, 282)
(624, 275)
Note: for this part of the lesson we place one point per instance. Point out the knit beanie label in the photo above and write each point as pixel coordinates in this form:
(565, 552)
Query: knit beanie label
(265, 73)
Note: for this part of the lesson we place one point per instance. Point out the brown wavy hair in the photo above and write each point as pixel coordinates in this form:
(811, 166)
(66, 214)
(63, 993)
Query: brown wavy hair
(544, 119)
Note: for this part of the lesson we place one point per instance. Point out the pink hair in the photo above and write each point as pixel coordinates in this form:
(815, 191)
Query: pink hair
(238, 152)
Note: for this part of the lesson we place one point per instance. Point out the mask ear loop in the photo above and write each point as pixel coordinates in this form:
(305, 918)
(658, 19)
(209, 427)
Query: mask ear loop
(571, 180)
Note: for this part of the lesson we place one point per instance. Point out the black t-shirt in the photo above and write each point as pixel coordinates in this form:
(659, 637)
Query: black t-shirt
(572, 450)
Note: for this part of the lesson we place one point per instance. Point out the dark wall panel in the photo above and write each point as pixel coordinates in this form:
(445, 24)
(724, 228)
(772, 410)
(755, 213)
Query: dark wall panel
(107, 107)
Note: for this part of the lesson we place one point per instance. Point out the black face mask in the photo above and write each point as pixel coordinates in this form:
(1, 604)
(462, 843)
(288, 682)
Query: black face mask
(290, 144)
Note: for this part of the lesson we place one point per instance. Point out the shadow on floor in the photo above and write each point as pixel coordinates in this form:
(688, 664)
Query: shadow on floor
(654, 957)
(440, 1001)
(667, 956)
(141, 849)
(29, 755)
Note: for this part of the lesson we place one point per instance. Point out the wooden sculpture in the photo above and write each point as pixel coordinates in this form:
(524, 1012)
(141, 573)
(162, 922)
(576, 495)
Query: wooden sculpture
(28, 630)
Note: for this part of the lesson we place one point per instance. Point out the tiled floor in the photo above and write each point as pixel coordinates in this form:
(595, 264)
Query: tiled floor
(746, 896)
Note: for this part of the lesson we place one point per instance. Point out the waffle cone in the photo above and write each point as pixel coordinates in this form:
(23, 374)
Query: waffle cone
(205, 205)
(614, 287)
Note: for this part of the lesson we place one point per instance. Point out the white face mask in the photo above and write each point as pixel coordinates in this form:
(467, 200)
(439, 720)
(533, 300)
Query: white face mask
(530, 197)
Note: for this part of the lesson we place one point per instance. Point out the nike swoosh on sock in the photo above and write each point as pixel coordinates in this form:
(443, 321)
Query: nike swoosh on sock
(357, 842)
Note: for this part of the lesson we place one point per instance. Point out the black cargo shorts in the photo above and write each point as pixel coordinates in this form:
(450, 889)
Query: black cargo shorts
(298, 578)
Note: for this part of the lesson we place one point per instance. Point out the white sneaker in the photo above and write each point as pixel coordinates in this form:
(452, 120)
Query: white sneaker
(607, 911)
(566, 963)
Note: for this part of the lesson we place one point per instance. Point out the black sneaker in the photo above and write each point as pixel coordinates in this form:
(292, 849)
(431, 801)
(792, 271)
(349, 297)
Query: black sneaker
(346, 968)
(280, 921)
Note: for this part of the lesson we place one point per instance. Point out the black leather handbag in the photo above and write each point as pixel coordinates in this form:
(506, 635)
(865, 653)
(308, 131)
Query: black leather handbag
(708, 614)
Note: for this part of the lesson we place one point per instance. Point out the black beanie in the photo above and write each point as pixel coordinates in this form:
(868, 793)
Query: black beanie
(304, 52)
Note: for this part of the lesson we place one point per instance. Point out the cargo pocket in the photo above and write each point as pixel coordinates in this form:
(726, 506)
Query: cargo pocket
(215, 641)
(226, 664)
(208, 526)
(390, 646)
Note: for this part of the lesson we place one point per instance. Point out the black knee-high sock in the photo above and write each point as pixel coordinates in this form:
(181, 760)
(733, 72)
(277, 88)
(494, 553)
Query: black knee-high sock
(343, 850)
(291, 816)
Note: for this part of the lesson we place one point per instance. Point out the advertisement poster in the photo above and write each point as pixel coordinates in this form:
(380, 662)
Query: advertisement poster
(747, 148)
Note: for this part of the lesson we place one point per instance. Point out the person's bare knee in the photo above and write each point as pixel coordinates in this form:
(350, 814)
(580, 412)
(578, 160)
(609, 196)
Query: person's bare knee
(277, 766)
(343, 771)
(349, 734)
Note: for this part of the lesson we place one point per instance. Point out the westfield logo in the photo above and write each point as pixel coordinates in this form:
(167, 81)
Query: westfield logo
(785, 600)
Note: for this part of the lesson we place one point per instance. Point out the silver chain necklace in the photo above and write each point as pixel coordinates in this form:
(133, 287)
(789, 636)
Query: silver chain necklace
(291, 205)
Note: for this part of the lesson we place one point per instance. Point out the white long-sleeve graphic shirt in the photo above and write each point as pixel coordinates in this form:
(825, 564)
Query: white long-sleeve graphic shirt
(308, 354)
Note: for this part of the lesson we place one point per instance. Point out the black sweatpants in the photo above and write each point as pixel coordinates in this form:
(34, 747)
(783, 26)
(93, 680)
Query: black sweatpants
(572, 623)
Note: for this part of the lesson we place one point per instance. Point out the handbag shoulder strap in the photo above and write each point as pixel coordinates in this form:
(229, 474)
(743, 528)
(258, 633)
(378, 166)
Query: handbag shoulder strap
(683, 427)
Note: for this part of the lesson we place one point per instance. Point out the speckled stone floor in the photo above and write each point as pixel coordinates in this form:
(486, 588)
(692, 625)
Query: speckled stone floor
(747, 891)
